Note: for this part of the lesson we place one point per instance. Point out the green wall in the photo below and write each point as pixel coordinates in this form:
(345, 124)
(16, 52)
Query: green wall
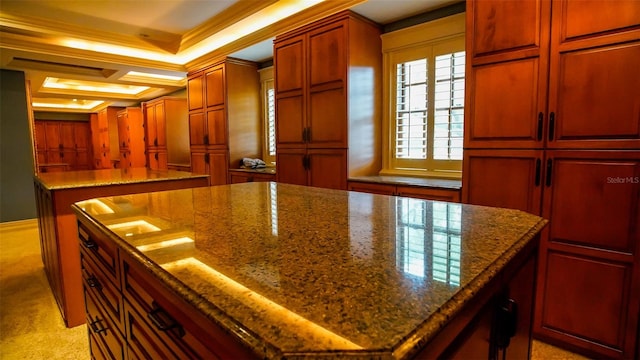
(17, 199)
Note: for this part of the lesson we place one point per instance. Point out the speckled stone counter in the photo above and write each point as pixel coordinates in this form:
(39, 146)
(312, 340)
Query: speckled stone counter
(57, 191)
(302, 270)
(107, 177)
(411, 181)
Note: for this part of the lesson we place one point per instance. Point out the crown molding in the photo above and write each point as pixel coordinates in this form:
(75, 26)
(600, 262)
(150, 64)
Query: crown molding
(307, 16)
(229, 16)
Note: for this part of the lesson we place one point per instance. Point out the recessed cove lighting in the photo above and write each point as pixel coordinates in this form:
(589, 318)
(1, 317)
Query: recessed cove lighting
(79, 85)
(154, 76)
(66, 104)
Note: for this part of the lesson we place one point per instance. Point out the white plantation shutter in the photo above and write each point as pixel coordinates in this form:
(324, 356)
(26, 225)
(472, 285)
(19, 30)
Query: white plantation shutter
(449, 106)
(411, 114)
(271, 120)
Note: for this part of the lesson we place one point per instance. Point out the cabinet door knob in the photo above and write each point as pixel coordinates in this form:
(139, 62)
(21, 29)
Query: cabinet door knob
(549, 168)
(552, 125)
(540, 119)
(97, 327)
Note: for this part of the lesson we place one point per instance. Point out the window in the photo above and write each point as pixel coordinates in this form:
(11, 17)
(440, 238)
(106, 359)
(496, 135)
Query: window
(424, 106)
(269, 115)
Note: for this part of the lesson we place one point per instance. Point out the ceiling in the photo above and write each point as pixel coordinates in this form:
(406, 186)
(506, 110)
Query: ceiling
(79, 55)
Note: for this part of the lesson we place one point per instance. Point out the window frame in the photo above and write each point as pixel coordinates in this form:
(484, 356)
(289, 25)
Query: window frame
(266, 83)
(428, 40)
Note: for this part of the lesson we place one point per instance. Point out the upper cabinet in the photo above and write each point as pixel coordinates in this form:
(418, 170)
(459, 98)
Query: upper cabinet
(104, 138)
(224, 117)
(327, 84)
(537, 80)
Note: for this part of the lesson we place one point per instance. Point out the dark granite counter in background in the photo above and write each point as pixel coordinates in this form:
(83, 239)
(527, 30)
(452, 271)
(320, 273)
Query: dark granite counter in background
(296, 270)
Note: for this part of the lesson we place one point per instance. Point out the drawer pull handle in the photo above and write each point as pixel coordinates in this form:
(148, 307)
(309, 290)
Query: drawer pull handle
(97, 329)
(164, 321)
(94, 283)
(90, 245)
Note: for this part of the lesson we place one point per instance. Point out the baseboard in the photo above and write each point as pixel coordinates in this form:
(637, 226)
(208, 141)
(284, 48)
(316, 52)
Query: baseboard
(18, 224)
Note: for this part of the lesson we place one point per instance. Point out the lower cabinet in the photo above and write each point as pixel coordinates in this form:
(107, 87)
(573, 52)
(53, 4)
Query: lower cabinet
(419, 192)
(131, 315)
(213, 163)
(325, 168)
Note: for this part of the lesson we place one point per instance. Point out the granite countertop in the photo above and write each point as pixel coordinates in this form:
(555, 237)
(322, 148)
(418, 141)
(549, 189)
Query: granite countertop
(299, 270)
(104, 177)
(411, 181)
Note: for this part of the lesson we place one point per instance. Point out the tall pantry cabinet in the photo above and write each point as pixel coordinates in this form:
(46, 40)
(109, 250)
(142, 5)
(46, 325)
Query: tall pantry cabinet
(131, 138)
(104, 137)
(166, 132)
(553, 128)
(224, 117)
(327, 81)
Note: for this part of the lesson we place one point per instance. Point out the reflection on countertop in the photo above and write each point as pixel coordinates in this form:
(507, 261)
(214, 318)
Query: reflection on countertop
(306, 269)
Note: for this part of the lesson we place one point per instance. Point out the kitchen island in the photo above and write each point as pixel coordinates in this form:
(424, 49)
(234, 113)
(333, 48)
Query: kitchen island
(271, 270)
(57, 191)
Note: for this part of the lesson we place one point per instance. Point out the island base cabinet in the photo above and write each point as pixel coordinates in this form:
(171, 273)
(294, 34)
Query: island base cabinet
(160, 325)
(498, 324)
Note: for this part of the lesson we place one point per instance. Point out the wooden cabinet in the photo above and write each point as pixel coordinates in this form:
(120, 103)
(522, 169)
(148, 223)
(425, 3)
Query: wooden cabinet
(224, 117)
(104, 137)
(166, 132)
(420, 192)
(62, 145)
(131, 138)
(590, 260)
(554, 129)
(323, 73)
(130, 314)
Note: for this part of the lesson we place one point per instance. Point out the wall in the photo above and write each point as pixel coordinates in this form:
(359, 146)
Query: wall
(17, 199)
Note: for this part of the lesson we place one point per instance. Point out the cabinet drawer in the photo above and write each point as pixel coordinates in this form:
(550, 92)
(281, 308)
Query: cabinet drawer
(108, 295)
(103, 252)
(429, 193)
(103, 331)
(155, 315)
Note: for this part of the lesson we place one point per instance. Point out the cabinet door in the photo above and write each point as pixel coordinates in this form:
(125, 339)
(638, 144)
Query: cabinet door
(82, 136)
(157, 160)
(67, 135)
(52, 130)
(195, 91)
(290, 121)
(160, 124)
(198, 164)
(289, 64)
(290, 164)
(503, 178)
(499, 27)
(216, 128)
(217, 163)
(506, 104)
(327, 123)
(593, 97)
(197, 130)
(589, 258)
(327, 168)
(327, 55)
(382, 189)
(428, 193)
(123, 130)
(214, 86)
(40, 135)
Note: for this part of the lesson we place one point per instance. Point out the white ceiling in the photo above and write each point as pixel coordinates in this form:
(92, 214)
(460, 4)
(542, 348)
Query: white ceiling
(32, 33)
